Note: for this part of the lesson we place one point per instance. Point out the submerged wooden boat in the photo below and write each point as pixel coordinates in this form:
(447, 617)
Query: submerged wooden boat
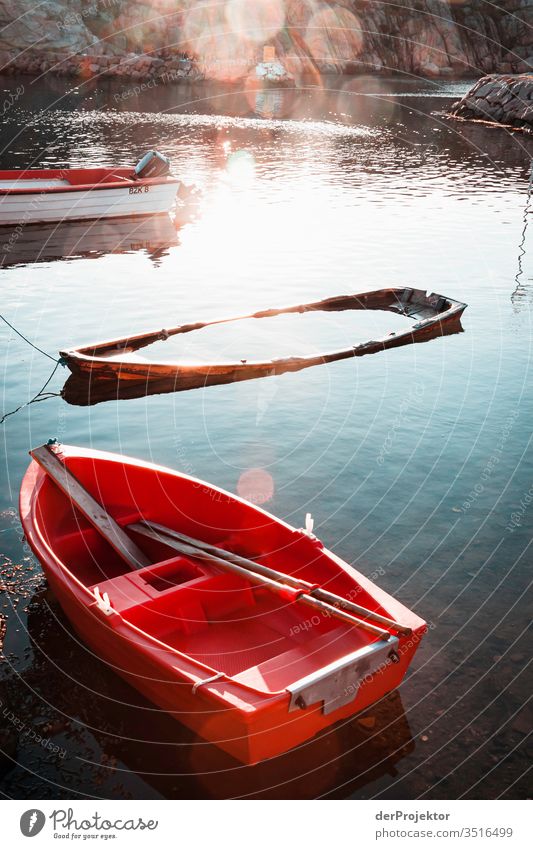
(242, 627)
(79, 194)
(116, 359)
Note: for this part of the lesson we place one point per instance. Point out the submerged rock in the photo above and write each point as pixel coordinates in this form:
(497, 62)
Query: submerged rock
(506, 100)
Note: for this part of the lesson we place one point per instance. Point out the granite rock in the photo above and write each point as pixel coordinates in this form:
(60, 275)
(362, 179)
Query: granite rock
(506, 100)
(225, 40)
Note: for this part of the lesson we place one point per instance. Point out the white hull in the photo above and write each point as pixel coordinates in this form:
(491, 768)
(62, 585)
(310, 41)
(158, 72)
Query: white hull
(37, 207)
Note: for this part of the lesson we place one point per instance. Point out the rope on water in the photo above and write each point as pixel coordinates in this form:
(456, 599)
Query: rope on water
(40, 396)
(521, 246)
(54, 359)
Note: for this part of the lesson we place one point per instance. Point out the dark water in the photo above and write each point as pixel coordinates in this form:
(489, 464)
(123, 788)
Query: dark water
(414, 462)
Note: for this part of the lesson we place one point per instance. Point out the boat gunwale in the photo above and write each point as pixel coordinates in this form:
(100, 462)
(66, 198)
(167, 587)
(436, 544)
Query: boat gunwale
(454, 309)
(85, 187)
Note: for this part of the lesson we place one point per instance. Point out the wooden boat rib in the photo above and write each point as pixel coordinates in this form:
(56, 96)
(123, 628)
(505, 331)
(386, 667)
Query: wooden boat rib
(435, 315)
(80, 194)
(252, 668)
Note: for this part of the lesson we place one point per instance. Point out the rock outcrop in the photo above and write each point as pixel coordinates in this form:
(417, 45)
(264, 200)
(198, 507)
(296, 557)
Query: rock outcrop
(51, 25)
(224, 40)
(505, 100)
(272, 73)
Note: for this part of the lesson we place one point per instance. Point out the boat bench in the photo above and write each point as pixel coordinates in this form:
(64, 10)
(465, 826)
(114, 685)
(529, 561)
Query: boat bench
(176, 595)
(319, 649)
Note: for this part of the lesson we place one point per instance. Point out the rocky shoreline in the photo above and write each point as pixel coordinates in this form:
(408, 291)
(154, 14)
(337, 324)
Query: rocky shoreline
(501, 99)
(170, 41)
(85, 66)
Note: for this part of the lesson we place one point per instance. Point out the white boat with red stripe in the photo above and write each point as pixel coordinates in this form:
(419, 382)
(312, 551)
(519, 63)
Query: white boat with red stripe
(80, 194)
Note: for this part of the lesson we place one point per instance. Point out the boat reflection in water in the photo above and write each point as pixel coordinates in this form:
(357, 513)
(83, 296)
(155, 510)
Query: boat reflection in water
(112, 370)
(88, 239)
(116, 744)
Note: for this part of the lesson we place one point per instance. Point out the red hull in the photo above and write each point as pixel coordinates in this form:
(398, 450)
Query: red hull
(177, 622)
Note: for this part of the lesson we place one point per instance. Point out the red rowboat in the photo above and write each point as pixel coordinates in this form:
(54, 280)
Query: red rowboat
(242, 627)
(79, 194)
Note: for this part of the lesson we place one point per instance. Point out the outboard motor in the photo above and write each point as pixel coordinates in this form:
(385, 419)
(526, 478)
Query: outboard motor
(153, 164)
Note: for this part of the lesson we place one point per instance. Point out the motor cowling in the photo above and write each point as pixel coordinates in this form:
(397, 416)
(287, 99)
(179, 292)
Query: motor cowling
(153, 164)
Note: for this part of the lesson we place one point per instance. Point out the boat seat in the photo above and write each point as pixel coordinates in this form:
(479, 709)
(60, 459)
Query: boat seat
(136, 604)
(278, 672)
(123, 593)
(149, 600)
(151, 583)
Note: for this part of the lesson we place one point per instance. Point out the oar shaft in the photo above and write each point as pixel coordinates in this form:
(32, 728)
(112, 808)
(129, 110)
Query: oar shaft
(250, 575)
(332, 598)
(238, 559)
(297, 583)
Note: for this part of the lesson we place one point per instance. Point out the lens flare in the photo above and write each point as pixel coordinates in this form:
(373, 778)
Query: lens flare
(255, 20)
(240, 167)
(334, 36)
(256, 486)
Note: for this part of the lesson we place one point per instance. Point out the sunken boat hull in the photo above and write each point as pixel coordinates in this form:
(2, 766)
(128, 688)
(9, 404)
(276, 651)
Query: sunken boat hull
(434, 316)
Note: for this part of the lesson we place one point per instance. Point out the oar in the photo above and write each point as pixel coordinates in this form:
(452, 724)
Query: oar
(266, 571)
(263, 580)
(48, 459)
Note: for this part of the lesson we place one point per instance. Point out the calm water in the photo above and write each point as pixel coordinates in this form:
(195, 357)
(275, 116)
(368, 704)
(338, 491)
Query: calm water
(413, 462)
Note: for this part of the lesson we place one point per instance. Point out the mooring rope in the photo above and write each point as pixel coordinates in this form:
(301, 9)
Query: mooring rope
(41, 394)
(50, 357)
(521, 246)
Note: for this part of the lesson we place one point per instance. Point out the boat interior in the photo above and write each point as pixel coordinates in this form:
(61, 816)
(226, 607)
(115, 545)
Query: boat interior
(58, 178)
(216, 617)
